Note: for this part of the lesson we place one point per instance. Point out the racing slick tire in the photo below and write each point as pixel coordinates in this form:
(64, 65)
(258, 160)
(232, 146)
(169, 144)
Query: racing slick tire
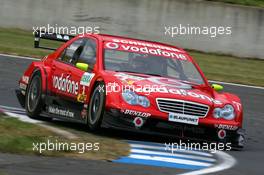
(33, 102)
(96, 107)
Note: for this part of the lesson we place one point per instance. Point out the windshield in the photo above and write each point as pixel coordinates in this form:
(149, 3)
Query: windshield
(123, 61)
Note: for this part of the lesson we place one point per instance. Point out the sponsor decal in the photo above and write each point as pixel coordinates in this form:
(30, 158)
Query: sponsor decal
(81, 98)
(146, 50)
(227, 127)
(65, 84)
(25, 79)
(237, 105)
(147, 44)
(60, 111)
(182, 118)
(125, 77)
(136, 113)
(169, 82)
(86, 79)
(130, 82)
(22, 86)
(181, 92)
(130, 79)
(182, 88)
(138, 122)
(221, 134)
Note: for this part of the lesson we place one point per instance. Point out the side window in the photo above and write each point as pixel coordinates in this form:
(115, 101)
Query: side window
(88, 54)
(71, 53)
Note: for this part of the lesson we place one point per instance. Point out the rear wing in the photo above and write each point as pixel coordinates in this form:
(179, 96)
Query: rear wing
(50, 36)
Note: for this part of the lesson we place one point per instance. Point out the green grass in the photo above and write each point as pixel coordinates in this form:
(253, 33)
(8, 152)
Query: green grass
(231, 69)
(3, 173)
(18, 137)
(215, 67)
(256, 3)
(21, 42)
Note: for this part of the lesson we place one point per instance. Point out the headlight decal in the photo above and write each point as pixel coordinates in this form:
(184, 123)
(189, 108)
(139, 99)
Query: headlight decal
(227, 112)
(133, 99)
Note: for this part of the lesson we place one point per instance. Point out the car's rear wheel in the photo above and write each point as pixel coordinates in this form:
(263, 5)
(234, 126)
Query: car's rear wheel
(96, 107)
(33, 102)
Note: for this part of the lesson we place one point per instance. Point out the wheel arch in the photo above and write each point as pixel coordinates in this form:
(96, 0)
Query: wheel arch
(43, 73)
(92, 87)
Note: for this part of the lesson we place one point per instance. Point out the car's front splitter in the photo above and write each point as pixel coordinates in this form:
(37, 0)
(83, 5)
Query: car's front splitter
(195, 133)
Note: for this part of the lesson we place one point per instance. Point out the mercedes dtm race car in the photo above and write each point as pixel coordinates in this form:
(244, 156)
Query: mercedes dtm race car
(111, 81)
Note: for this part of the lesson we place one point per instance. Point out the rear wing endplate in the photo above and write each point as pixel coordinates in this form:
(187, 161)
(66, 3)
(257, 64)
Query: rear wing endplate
(49, 36)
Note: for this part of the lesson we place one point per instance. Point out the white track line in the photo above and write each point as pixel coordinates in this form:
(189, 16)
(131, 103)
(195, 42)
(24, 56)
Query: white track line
(175, 150)
(226, 162)
(20, 57)
(23, 118)
(140, 151)
(236, 84)
(232, 84)
(171, 160)
(12, 108)
(56, 130)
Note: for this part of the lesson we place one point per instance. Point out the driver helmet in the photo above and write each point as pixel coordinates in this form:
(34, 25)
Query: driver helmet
(137, 63)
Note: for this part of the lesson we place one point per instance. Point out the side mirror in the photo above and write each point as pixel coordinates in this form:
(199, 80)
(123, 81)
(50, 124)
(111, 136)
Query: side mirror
(217, 87)
(82, 66)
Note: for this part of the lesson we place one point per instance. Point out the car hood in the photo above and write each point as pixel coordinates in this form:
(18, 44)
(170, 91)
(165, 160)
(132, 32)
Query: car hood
(161, 87)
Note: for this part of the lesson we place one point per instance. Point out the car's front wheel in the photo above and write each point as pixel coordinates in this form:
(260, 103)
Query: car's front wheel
(33, 102)
(96, 107)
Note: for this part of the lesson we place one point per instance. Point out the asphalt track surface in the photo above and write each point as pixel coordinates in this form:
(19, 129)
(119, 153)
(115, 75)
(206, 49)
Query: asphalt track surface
(249, 161)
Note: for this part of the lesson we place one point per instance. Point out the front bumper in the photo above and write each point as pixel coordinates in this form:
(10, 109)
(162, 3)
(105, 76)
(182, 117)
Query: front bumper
(113, 118)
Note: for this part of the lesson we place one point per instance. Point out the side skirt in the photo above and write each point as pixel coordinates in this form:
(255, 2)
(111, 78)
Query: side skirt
(64, 109)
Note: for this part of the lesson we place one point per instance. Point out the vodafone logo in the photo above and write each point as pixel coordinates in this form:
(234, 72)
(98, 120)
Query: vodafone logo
(64, 84)
(111, 45)
(165, 85)
(145, 50)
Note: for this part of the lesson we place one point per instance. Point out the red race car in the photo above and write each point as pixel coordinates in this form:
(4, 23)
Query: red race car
(112, 81)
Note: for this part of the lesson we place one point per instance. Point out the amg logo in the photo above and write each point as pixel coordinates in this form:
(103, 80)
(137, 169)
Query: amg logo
(65, 84)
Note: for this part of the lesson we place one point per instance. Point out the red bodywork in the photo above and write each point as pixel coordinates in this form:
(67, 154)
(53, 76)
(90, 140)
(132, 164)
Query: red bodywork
(51, 66)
